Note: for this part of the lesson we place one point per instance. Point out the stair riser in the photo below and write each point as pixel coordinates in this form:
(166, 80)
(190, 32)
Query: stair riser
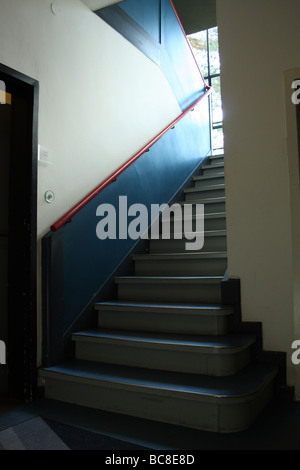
(214, 170)
(162, 357)
(164, 323)
(192, 196)
(209, 182)
(216, 243)
(157, 405)
(188, 293)
(214, 223)
(194, 267)
(217, 159)
(210, 207)
(210, 223)
(214, 207)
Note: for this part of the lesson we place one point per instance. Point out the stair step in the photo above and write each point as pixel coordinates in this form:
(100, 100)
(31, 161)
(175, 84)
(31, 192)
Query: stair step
(208, 180)
(203, 200)
(170, 288)
(205, 188)
(217, 157)
(181, 264)
(213, 191)
(164, 318)
(192, 354)
(212, 165)
(213, 168)
(217, 404)
(215, 221)
(211, 205)
(212, 221)
(209, 177)
(215, 240)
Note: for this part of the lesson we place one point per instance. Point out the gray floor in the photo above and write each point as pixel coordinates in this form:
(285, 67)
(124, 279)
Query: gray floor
(32, 434)
(277, 428)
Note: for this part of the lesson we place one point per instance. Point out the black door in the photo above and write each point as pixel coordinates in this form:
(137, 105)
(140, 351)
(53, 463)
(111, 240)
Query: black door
(18, 215)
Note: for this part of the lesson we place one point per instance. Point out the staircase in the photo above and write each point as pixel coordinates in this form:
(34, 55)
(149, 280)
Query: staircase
(163, 350)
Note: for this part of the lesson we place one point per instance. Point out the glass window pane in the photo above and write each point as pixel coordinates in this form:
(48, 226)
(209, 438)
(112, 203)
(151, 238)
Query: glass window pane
(198, 42)
(217, 141)
(214, 57)
(205, 45)
(216, 101)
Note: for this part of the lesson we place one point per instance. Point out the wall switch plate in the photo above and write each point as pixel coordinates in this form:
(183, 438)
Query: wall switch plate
(44, 155)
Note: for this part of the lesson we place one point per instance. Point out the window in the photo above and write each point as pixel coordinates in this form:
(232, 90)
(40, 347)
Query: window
(205, 45)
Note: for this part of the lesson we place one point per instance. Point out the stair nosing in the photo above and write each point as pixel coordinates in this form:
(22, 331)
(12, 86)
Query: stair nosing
(170, 279)
(208, 177)
(212, 166)
(211, 200)
(204, 188)
(177, 256)
(210, 215)
(212, 390)
(206, 234)
(205, 310)
(201, 344)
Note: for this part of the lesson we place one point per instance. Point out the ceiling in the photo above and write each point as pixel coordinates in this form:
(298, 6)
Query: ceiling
(195, 15)
(98, 4)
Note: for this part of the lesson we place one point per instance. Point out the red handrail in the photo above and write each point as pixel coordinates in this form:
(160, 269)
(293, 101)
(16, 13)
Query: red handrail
(68, 216)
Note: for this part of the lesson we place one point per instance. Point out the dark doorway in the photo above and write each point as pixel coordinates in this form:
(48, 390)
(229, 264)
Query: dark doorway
(18, 233)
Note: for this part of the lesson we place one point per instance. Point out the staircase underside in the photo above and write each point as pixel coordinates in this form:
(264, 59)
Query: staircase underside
(163, 350)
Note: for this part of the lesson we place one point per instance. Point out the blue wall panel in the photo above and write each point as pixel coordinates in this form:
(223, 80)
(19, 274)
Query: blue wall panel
(146, 13)
(177, 61)
(153, 179)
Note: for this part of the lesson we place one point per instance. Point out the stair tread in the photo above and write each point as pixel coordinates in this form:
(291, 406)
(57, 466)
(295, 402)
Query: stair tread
(244, 383)
(176, 256)
(172, 279)
(211, 215)
(211, 233)
(175, 308)
(221, 344)
(208, 177)
(212, 165)
(205, 188)
(210, 200)
(217, 215)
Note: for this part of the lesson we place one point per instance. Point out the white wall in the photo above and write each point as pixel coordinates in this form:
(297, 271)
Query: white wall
(259, 41)
(101, 99)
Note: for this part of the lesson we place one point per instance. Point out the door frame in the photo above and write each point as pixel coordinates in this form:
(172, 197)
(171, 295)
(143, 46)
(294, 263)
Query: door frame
(292, 154)
(22, 245)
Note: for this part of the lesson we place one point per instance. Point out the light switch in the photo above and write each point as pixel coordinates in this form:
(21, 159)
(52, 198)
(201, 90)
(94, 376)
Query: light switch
(45, 155)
